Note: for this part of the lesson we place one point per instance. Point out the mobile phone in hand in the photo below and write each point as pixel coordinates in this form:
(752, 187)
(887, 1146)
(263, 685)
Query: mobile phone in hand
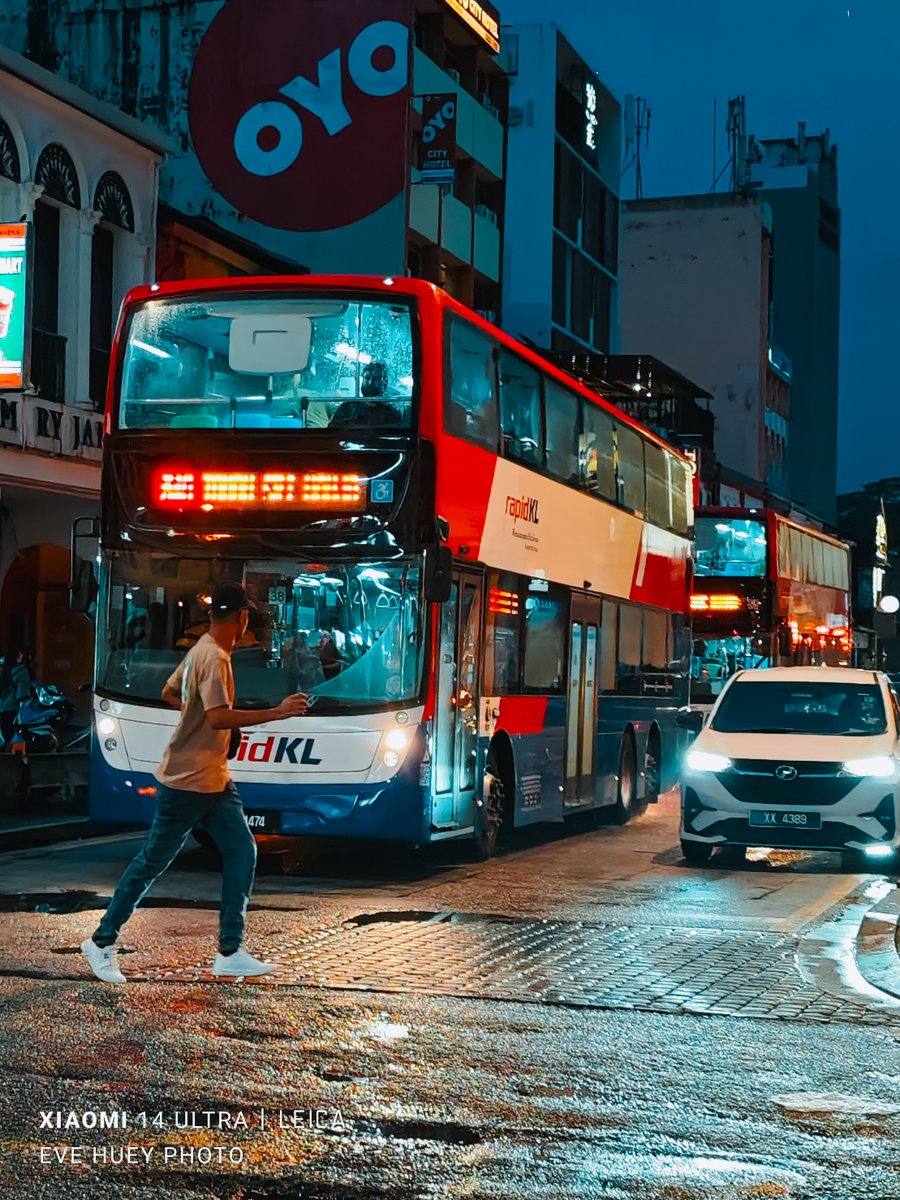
(310, 701)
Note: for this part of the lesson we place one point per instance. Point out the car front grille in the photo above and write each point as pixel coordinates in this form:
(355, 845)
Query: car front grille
(754, 781)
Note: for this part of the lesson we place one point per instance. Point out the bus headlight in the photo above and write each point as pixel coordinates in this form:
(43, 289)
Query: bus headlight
(396, 739)
(882, 766)
(702, 760)
(107, 726)
(394, 745)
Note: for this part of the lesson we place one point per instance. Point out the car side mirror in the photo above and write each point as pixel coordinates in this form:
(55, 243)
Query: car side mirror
(691, 720)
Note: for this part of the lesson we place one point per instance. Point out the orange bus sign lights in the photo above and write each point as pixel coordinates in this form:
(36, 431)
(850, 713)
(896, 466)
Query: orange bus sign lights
(210, 491)
(716, 602)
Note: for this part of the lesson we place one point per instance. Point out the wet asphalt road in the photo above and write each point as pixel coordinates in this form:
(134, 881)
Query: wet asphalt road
(319, 1086)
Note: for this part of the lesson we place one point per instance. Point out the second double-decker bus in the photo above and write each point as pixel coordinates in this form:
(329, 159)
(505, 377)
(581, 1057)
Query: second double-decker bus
(477, 567)
(768, 591)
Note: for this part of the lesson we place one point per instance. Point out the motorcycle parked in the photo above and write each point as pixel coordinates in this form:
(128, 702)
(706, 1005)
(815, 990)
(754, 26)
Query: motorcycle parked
(43, 724)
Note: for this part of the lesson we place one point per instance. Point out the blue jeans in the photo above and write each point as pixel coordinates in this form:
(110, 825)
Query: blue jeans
(177, 813)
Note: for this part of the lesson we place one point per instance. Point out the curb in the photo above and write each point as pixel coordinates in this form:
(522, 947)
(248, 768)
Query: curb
(29, 837)
(876, 944)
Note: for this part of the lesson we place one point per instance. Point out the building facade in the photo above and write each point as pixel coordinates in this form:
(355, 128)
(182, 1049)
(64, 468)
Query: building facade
(82, 178)
(696, 289)
(561, 258)
(298, 128)
(797, 177)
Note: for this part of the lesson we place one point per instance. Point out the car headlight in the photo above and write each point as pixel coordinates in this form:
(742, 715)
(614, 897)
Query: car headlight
(702, 760)
(880, 767)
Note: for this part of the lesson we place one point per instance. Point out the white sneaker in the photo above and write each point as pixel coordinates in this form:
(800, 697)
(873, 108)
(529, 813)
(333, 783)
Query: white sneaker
(103, 960)
(240, 964)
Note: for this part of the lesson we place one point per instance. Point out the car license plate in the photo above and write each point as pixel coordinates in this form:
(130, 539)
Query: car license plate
(264, 822)
(784, 819)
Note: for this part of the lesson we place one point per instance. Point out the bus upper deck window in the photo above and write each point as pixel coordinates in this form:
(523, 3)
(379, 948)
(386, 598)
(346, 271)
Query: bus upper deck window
(280, 361)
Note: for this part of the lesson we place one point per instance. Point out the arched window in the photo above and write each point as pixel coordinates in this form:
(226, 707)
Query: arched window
(57, 175)
(10, 166)
(112, 201)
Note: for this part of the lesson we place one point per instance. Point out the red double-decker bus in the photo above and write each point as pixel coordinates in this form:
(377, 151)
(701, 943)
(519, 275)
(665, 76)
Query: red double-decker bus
(768, 591)
(478, 568)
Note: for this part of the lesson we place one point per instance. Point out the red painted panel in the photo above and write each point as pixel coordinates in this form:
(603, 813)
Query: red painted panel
(664, 582)
(522, 714)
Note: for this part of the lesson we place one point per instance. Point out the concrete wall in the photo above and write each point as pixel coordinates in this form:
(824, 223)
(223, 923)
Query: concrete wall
(528, 246)
(807, 325)
(694, 292)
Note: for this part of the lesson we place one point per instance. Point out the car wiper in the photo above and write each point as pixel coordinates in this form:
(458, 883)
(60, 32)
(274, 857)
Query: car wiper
(768, 729)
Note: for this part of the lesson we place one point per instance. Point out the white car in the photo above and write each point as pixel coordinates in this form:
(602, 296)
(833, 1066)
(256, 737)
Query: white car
(798, 757)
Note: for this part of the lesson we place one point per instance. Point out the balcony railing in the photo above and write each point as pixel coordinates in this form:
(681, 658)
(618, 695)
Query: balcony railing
(48, 364)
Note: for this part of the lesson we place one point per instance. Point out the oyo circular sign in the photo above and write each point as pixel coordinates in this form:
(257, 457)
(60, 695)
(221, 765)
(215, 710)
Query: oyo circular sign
(298, 112)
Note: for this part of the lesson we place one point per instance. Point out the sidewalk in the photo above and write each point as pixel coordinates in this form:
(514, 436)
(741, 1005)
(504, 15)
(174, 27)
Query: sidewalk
(25, 830)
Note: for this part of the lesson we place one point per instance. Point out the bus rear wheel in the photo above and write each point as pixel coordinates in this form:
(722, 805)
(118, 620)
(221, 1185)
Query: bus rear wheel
(624, 807)
(652, 770)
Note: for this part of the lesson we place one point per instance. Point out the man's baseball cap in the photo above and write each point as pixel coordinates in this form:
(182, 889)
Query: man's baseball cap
(229, 597)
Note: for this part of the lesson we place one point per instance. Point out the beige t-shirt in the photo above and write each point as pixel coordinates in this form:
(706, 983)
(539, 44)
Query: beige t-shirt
(196, 759)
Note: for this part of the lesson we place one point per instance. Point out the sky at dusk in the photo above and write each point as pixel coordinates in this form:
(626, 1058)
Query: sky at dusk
(824, 62)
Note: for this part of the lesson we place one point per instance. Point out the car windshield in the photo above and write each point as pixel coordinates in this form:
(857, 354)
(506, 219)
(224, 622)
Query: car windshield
(838, 709)
(268, 362)
(350, 634)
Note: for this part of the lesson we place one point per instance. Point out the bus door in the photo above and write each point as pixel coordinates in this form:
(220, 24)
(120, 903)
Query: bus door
(456, 704)
(581, 700)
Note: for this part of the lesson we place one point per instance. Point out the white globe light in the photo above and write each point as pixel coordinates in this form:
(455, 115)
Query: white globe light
(889, 604)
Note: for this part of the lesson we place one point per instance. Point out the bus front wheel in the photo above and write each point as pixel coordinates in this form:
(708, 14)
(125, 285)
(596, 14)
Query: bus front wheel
(491, 813)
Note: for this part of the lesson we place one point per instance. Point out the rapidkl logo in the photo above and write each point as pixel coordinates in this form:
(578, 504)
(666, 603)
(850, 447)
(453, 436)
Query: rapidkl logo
(523, 508)
(278, 750)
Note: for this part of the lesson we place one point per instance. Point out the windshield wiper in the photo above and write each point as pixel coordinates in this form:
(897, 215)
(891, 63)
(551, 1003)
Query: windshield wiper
(771, 729)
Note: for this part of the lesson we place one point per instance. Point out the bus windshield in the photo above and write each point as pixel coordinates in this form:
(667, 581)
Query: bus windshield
(351, 634)
(730, 547)
(267, 361)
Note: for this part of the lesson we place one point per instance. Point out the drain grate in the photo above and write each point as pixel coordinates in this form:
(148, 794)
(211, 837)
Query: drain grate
(750, 974)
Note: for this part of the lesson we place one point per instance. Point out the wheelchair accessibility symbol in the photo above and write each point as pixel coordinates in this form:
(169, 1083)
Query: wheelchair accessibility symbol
(381, 491)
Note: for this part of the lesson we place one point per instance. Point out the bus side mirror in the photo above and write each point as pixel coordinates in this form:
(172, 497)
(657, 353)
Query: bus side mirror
(82, 579)
(690, 720)
(82, 586)
(438, 571)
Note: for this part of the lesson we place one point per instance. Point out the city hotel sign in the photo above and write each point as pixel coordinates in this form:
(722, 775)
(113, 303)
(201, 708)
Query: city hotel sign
(484, 19)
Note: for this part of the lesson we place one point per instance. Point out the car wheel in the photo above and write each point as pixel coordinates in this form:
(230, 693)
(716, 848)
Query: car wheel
(625, 804)
(696, 853)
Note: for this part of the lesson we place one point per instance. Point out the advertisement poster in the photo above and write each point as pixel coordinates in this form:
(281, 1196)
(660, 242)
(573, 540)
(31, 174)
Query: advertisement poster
(13, 278)
(438, 155)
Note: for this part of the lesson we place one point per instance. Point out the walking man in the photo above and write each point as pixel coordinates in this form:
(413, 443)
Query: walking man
(196, 790)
